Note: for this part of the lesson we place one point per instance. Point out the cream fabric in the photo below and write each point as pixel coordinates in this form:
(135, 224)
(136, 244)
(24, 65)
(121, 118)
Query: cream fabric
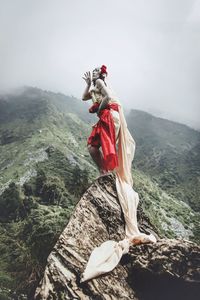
(126, 151)
(116, 119)
(106, 257)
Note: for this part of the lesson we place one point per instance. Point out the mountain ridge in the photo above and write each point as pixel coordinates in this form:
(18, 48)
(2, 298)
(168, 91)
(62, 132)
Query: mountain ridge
(20, 90)
(45, 167)
(162, 118)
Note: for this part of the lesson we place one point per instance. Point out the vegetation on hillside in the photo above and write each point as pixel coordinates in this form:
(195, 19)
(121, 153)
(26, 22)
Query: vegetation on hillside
(169, 153)
(45, 168)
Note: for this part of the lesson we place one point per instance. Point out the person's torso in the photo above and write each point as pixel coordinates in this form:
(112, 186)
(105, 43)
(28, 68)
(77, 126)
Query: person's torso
(97, 96)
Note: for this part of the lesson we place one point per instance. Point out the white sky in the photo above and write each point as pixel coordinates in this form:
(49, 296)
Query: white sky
(151, 49)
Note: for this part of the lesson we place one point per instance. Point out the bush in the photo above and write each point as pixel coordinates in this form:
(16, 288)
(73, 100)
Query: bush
(53, 191)
(42, 229)
(79, 181)
(11, 203)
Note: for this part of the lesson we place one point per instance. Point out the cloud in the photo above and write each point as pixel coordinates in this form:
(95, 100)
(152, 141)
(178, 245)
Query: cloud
(151, 48)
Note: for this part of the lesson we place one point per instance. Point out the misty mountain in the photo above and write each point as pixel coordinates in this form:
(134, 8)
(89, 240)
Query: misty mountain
(169, 152)
(45, 167)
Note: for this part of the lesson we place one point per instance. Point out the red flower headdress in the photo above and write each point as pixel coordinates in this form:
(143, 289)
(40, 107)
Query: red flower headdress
(103, 70)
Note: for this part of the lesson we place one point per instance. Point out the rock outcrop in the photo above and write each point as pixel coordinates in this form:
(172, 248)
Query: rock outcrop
(168, 269)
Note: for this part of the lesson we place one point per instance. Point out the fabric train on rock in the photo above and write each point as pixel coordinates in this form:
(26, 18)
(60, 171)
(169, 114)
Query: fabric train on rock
(110, 128)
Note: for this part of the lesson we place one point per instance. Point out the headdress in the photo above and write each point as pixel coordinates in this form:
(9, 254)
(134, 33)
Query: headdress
(103, 70)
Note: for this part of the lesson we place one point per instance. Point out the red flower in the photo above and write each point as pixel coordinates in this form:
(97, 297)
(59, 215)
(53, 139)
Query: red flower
(103, 69)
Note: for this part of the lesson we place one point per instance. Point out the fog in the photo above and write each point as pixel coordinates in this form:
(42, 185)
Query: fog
(151, 49)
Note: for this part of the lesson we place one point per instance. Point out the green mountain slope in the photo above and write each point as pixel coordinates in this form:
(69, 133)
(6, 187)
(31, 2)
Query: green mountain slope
(32, 121)
(170, 153)
(45, 167)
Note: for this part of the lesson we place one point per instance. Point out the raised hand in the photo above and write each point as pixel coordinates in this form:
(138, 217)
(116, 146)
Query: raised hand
(87, 78)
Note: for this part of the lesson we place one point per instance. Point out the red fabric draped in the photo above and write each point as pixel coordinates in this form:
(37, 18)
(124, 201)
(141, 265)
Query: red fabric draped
(103, 134)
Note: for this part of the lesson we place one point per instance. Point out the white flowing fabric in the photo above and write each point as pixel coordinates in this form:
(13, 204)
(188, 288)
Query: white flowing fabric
(106, 257)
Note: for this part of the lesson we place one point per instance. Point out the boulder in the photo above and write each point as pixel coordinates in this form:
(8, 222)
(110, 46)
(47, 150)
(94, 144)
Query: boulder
(168, 269)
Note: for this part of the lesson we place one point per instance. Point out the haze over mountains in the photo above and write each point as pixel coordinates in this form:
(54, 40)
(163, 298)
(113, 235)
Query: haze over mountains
(45, 167)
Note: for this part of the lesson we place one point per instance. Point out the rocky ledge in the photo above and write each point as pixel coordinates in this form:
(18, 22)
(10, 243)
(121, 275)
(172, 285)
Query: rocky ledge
(168, 269)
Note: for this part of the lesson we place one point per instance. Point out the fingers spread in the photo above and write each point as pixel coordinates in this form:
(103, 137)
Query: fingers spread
(87, 75)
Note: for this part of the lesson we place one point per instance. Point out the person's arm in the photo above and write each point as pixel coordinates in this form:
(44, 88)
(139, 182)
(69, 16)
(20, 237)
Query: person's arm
(106, 92)
(87, 95)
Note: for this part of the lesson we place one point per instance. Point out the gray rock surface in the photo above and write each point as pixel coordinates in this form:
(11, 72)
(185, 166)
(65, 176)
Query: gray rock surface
(168, 269)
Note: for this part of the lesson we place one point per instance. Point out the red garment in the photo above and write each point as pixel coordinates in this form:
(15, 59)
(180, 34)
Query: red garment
(94, 108)
(103, 134)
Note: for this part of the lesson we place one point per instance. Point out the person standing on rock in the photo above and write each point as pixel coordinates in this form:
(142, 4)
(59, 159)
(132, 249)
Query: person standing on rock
(112, 148)
(105, 132)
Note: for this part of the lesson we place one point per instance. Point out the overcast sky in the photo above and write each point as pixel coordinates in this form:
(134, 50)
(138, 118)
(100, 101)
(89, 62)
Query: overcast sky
(151, 49)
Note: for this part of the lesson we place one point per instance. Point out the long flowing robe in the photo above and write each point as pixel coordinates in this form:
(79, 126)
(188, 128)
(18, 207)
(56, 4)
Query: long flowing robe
(106, 257)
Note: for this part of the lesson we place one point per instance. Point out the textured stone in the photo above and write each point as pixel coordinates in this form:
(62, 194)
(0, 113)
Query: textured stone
(169, 264)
